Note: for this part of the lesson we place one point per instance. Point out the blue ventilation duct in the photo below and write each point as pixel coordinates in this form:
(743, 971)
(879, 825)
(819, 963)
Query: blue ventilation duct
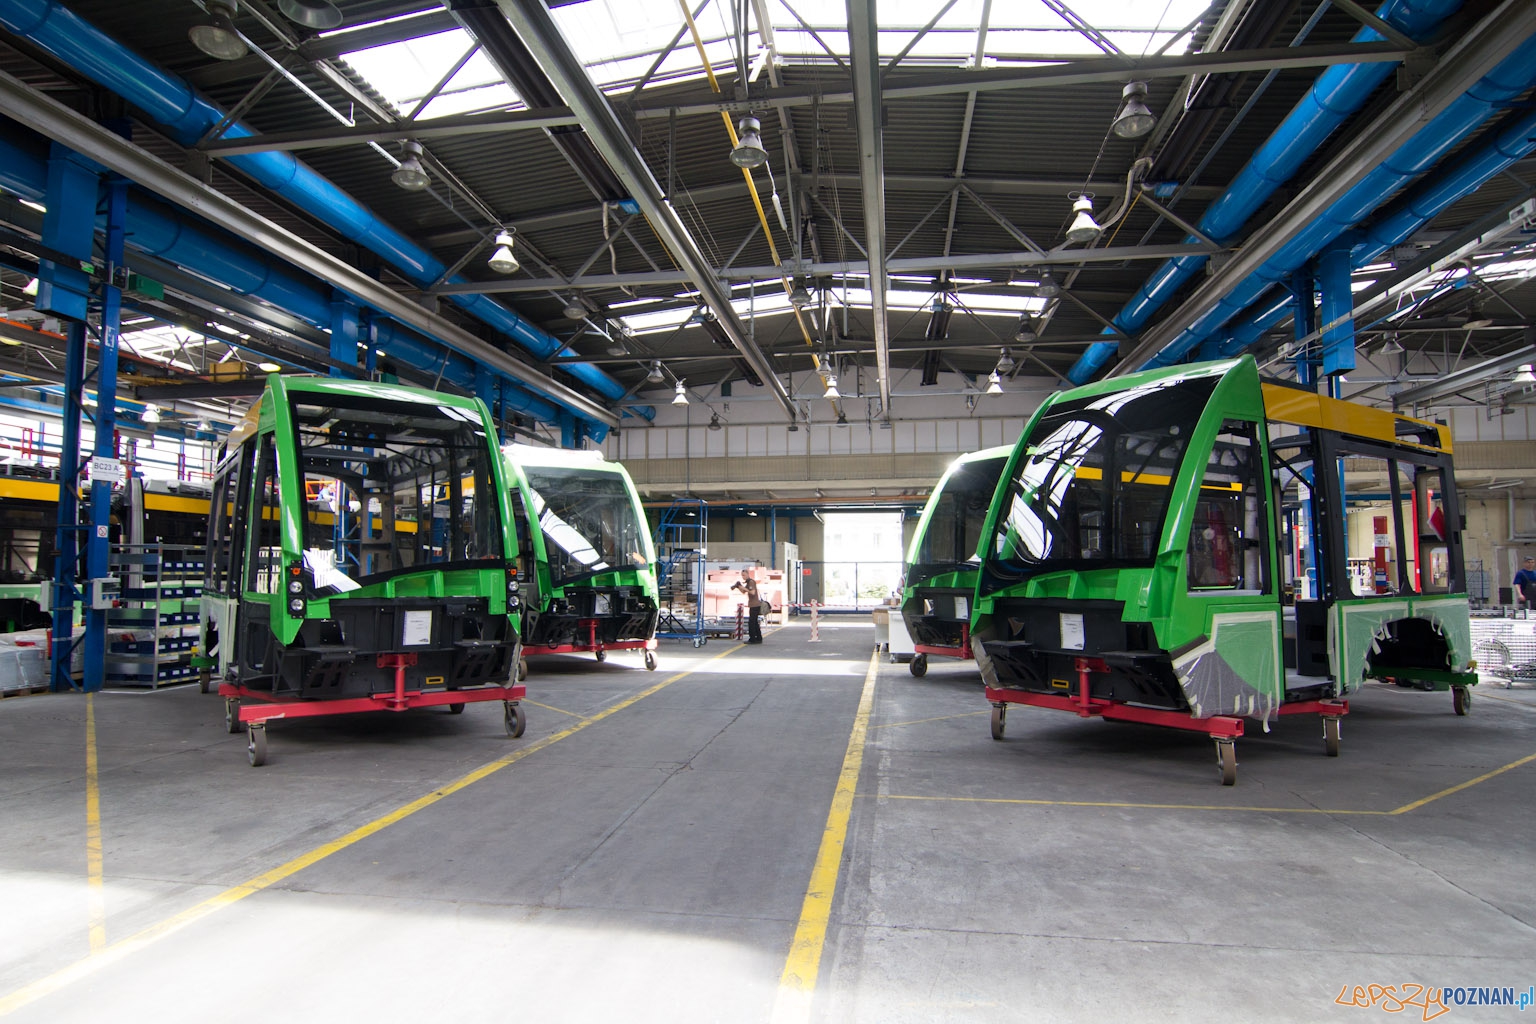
(173, 104)
(246, 270)
(1507, 145)
(1336, 95)
(1508, 80)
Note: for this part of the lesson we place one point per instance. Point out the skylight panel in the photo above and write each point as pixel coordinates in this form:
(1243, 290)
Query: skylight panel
(404, 72)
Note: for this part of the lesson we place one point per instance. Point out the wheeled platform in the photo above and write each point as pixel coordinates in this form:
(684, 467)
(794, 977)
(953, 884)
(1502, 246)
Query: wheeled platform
(266, 708)
(597, 647)
(1223, 729)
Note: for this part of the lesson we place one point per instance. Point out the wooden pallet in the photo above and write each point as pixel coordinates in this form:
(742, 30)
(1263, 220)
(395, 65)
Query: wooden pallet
(23, 691)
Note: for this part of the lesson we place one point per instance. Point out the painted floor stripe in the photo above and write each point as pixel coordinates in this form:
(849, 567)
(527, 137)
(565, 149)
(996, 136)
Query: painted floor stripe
(97, 909)
(110, 955)
(797, 984)
(1125, 805)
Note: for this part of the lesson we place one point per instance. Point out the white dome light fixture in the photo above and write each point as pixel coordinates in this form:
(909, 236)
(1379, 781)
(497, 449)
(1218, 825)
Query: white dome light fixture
(748, 151)
(994, 383)
(1135, 118)
(216, 35)
(1084, 228)
(410, 175)
(831, 391)
(681, 395)
(503, 261)
(151, 413)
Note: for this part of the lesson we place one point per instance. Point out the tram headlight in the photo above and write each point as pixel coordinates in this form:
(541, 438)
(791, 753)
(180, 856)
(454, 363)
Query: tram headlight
(513, 602)
(296, 606)
(295, 586)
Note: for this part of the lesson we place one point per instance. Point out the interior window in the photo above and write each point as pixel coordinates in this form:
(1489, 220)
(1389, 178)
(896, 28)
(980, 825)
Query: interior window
(1226, 548)
(265, 571)
(1431, 531)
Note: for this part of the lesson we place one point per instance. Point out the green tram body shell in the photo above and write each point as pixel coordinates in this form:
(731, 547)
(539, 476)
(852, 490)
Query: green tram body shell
(937, 592)
(622, 598)
(329, 647)
(1209, 651)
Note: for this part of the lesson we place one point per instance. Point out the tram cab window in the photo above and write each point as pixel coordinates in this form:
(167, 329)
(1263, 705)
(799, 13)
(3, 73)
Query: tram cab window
(265, 571)
(1432, 531)
(1226, 549)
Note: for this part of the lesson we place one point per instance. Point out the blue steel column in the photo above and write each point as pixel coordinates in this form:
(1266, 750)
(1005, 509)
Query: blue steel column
(344, 335)
(1333, 276)
(98, 548)
(70, 227)
(65, 538)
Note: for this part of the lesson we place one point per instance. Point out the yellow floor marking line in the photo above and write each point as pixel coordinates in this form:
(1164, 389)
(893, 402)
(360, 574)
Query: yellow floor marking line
(96, 903)
(1465, 785)
(1527, 705)
(551, 707)
(797, 984)
(134, 943)
(921, 721)
(1126, 805)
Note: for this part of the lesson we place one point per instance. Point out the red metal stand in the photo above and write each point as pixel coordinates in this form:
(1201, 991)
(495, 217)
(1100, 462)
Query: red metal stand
(269, 707)
(963, 652)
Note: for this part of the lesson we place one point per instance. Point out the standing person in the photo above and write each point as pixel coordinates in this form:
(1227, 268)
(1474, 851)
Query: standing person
(748, 586)
(1525, 584)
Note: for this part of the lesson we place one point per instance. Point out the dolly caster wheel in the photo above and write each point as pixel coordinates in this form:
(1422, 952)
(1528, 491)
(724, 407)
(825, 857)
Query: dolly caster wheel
(918, 665)
(602, 655)
(1461, 699)
(232, 716)
(203, 681)
(256, 745)
(697, 643)
(522, 669)
(1226, 760)
(999, 720)
(515, 720)
(1331, 736)
(455, 709)
(650, 661)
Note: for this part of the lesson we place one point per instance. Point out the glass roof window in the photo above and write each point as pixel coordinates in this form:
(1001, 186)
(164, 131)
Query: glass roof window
(619, 41)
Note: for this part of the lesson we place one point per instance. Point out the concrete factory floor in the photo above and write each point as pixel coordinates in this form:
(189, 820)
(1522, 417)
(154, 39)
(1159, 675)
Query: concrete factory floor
(664, 846)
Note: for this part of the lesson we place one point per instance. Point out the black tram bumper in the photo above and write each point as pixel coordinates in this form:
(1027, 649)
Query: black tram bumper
(606, 615)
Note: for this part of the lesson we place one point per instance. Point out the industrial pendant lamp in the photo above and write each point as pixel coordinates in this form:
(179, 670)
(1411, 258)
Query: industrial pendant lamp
(749, 151)
(1392, 347)
(842, 419)
(799, 295)
(714, 421)
(574, 309)
(319, 15)
(151, 413)
(1005, 362)
(1135, 118)
(831, 391)
(1084, 228)
(1026, 334)
(1527, 374)
(502, 260)
(655, 376)
(681, 397)
(216, 35)
(994, 383)
(410, 175)
(1047, 288)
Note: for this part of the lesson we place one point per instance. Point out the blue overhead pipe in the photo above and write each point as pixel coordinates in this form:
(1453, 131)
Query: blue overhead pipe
(1337, 94)
(246, 270)
(173, 104)
(1510, 143)
(1509, 79)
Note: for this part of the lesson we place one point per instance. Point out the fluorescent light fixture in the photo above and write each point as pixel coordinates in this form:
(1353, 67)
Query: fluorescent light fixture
(410, 175)
(502, 260)
(269, 367)
(31, 288)
(29, 204)
(216, 34)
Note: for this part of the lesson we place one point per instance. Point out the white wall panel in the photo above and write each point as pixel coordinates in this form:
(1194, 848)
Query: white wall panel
(927, 437)
(777, 441)
(948, 436)
(906, 437)
(820, 438)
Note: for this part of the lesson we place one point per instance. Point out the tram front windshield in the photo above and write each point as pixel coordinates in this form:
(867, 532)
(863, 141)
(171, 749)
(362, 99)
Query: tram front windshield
(588, 520)
(955, 519)
(393, 486)
(1093, 486)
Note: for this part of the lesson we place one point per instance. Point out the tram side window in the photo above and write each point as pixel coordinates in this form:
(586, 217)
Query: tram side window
(1433, 532)
(216, 564)
(1226, 539)
(265, 574)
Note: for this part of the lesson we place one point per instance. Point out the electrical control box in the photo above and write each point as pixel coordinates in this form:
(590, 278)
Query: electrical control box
(104, 594)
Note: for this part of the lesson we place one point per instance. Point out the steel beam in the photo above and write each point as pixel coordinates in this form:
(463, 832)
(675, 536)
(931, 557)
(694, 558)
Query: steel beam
(864, 54)
(1464, 377)
(1473, 55)
(1117, 70)
(914, 264)
(538, 32)
(436, 128)
(47, 116)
